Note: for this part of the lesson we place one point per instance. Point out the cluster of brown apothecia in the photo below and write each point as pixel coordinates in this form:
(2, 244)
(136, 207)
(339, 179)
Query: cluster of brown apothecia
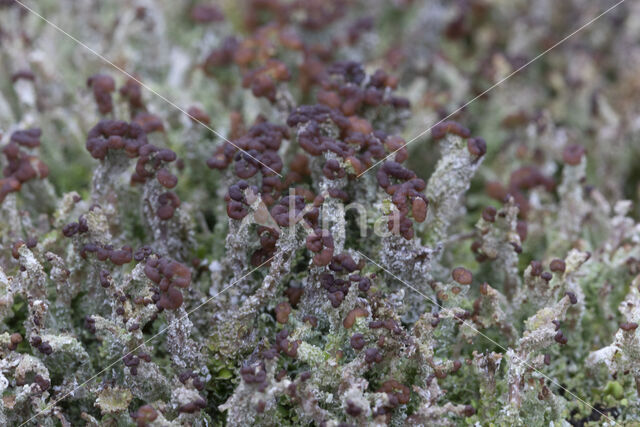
(115, 135)
(21, 166)
(355, 145)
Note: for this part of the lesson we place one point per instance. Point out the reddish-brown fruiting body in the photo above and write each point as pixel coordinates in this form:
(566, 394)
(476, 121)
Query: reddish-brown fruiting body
(462, 276)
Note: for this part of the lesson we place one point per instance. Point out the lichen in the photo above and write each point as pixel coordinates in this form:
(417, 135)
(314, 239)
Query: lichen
(319, 212)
